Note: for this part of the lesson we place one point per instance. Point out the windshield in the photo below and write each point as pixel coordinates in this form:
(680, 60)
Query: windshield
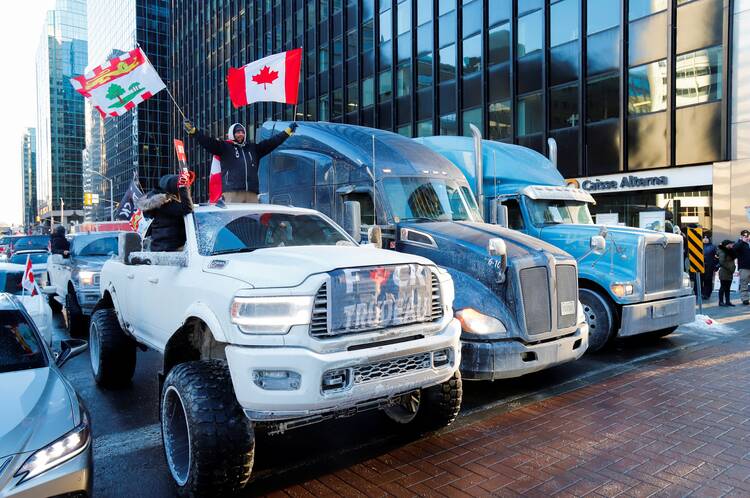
(221, 232)
(10, 282)
(31, 243)
(37, 258)
(556, 212)
(430, 199)
(102, 246)
(20, 348)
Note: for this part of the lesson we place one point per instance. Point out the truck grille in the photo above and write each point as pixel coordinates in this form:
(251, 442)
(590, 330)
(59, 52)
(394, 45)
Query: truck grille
(535, 290)
(663, 267)
(567, 296)
(392, 368)
(319, 326)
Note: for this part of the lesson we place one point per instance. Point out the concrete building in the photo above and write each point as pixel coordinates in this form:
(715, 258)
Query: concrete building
(139, 142)
(60, 111)
(29, 177)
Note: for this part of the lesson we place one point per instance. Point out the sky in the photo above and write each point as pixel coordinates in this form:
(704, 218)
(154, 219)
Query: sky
(20, 29)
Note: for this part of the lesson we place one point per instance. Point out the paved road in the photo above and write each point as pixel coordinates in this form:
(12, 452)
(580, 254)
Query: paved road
(127, 442)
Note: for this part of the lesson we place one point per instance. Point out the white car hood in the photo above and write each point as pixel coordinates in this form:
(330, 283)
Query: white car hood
(290, 266)
(36, 410)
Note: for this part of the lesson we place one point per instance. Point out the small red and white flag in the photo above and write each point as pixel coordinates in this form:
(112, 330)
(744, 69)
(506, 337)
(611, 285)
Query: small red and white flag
(214, 181)
(28, 282)
(271, 79)
(120, 84)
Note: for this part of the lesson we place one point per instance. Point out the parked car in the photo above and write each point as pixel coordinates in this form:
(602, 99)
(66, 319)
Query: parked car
(29, 243)
(274, 316)
(5, 243)
(45, 435)
(75, 280)
(11, 277)
(38, 262)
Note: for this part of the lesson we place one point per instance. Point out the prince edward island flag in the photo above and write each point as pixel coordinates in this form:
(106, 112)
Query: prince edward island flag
(121, 84)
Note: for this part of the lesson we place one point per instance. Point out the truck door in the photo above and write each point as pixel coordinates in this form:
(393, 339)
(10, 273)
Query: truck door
(515, 214)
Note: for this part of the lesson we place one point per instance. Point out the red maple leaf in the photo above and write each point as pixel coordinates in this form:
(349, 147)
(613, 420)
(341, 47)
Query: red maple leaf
(265, 76)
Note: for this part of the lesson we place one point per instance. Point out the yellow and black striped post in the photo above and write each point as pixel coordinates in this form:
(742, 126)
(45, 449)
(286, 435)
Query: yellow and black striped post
(695, 250)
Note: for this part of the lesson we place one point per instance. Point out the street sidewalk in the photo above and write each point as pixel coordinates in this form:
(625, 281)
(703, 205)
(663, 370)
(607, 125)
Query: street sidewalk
(674, 427)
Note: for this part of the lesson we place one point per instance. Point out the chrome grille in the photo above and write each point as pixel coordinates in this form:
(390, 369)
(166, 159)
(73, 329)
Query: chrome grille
(535, 291)
(391, 368)
(567, 293)
(437, 304)
(319, 320)
(663, 267)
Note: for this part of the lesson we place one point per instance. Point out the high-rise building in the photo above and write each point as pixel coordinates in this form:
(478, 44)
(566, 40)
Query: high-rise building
(29, 177)
(625, 87)
(60, 111)
(139, 142)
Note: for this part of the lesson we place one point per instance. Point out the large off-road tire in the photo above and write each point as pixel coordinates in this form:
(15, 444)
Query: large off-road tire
(600, 317)
(209, 444)
(429, 409)
(112, 353)
(76, 322)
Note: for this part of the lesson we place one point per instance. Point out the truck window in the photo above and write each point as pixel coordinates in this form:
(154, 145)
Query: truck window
(429, 199)
(367, 209)
(239, 231)
(515, 217)
(557, 211)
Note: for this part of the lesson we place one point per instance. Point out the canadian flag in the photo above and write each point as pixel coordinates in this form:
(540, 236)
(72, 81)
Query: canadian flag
(272, 79)
(214, 181)
(28, 282)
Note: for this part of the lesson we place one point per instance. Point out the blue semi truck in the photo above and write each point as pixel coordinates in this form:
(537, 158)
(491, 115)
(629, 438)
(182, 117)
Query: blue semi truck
(516, 296)
(636, 285)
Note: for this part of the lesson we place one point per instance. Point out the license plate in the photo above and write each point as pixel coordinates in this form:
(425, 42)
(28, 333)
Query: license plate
(567, 308)
(665, 310)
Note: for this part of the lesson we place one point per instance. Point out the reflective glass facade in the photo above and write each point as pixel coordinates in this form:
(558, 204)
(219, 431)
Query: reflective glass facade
(140, 141)
(610, 80)
(62, 54)
(29, 177)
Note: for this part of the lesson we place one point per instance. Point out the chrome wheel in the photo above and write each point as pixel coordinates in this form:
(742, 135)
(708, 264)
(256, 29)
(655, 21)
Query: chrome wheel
(176, 434)
(405, 409)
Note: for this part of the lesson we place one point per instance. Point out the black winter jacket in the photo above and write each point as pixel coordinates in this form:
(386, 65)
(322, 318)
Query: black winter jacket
(58, 244)
(239, 163)
(168, 226)
(742, 249)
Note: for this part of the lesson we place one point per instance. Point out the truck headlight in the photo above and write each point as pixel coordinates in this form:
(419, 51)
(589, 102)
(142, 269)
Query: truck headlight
(622, 289)
(86, 277)
(686, 284)
(271, 315)
(478, 323)
(71, 444)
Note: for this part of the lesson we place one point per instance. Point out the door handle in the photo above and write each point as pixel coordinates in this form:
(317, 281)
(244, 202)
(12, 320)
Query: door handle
(153, 280)
(130, 276)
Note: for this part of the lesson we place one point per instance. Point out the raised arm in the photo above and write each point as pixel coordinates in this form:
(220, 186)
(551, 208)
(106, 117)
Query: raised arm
(211, 144)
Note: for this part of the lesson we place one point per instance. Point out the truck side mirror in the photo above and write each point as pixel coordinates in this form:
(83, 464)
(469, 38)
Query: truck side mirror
(598, 244)
(500, 213)
(375, 236)
(128, 242)
(353, 219)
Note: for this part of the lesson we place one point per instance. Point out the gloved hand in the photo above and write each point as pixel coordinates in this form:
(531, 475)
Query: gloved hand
(292, 128)
(185, 179)
(189, 128)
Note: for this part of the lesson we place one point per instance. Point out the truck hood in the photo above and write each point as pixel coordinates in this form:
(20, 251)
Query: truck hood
(93, 263)
(290, 266)
(36, 410)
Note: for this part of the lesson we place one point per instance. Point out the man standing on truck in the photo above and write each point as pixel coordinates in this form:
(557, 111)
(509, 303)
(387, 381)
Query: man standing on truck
(239, 159)
(58, 244)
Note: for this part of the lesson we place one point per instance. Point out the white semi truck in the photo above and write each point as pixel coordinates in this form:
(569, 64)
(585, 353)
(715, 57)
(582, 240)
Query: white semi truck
(275, 318)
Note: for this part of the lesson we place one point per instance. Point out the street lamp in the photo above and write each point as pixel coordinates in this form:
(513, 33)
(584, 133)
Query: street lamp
(111, 202)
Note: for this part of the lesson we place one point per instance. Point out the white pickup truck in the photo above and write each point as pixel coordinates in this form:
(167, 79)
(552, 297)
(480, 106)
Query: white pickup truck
(274, 317)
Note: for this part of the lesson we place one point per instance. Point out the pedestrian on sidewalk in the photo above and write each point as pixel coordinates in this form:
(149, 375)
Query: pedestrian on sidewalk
(725, 254)
(167, 205)
(710, 265)
(742, 250)
(240, 159)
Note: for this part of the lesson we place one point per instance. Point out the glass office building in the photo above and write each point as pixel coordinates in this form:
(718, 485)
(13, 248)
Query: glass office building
(625, 87)
(60, 112)
(139, 142)
(29, 177)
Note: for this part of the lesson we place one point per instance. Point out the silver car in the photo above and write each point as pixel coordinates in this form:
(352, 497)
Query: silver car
(45, 435)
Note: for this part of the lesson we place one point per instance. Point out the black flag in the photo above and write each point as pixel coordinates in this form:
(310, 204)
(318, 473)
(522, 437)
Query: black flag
(129, 201)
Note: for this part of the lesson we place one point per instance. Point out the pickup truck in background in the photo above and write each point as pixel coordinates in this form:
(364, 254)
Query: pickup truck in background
(516, 296)
(74, 281)
(274, 317)
(633, 284)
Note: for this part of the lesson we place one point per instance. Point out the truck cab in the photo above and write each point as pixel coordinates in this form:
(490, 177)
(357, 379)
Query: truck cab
(516, 296)
(631, 281)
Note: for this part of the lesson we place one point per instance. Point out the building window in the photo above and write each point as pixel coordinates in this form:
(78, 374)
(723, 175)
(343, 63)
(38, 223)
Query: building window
(643, 8)
(323, 58)
(403, 81)
(424, 128)
(698, 76)
(472, 54)
(368, 92)
(530, 29)
(404, 130)
(563, 22)
(424, 11)
(448, 125)
(500, 120)
(424, 71)
(447, 63)
(647, 88)
(472, 117)
(529, 115)
(601, 15)
(499, 40)
(563, 107)
(603, 98)
(386, 25)
(445, 6)
(385, 86)
(404, 17)
(352, 97)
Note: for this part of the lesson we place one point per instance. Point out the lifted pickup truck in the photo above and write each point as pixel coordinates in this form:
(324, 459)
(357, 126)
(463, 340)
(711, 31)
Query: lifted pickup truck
(75, 280)
(274, 317)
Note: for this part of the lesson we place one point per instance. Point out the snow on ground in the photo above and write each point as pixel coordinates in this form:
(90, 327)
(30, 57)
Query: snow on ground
(708, 324)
